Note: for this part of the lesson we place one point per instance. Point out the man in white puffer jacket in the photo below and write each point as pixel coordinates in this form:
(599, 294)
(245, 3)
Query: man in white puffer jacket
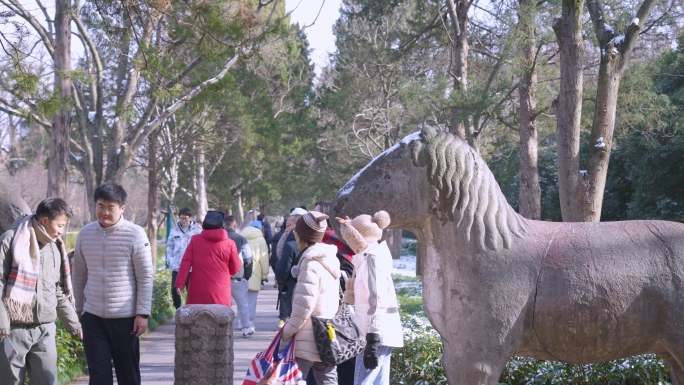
(316, 294)
(112, 279)
(376, 309)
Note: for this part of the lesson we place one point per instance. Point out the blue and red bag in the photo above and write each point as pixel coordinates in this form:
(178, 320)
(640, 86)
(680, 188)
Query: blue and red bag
(284, 364)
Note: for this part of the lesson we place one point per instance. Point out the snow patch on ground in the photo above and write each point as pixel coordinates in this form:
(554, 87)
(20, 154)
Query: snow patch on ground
(406, 266)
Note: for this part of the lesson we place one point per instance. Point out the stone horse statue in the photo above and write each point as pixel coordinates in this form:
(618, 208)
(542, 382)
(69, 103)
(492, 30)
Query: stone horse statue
(12, 205)
(497, 285)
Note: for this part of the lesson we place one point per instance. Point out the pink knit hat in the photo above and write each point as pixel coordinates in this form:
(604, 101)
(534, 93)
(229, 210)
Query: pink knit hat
(364, 230)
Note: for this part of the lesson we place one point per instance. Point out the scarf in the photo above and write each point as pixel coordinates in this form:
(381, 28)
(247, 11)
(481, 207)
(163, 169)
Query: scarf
(23, 277)
(345, 251)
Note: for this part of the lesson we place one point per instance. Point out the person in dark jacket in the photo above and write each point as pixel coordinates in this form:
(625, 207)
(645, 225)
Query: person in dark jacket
(273, 259)
(286, 282)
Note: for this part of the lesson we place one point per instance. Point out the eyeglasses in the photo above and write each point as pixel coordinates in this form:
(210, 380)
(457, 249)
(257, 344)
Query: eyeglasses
(110, 209)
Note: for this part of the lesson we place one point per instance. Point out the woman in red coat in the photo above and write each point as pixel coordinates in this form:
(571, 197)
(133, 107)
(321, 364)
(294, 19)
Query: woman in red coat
(213, 258)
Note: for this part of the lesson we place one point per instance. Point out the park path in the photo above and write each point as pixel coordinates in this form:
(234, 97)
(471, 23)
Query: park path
(157, 347)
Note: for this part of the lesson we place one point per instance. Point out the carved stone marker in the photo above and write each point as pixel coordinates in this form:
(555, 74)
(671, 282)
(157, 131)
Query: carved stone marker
(11, 206)
(204, 345)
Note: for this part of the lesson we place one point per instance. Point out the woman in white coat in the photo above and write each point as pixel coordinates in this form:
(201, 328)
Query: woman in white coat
(257, 243)
(316, 294)
(376, 310)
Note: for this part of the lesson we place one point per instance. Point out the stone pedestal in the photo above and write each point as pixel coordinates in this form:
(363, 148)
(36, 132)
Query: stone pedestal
(204, 345)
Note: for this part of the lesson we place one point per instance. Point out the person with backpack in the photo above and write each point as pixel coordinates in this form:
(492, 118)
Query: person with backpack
(239, 281)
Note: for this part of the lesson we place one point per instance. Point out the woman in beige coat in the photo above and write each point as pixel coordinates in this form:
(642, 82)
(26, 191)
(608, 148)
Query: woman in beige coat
(316, 294)
(259, 248)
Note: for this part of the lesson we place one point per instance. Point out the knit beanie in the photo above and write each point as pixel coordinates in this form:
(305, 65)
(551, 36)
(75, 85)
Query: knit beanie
(311, 226)
(364, 230)
(213, 220)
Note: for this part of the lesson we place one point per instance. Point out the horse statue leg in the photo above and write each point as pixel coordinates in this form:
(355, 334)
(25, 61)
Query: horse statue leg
(676, 369)
(479, 364)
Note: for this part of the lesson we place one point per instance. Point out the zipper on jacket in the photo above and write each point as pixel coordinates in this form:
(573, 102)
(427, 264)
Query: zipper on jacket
(104, 251)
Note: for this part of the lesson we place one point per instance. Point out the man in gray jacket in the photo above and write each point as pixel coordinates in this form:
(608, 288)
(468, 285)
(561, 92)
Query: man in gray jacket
(178, 241)
(35, 284)
(113, 277)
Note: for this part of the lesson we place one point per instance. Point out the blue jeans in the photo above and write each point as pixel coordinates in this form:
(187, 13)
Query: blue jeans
(377, 376)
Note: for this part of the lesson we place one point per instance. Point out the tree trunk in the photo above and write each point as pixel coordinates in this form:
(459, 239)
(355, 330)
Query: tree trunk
(530, 191)
(58, 168)
(568, 30)
(458, 13)
(152, 203)
(202, 205)
(393, 239)
(241, 210)
(615, 52)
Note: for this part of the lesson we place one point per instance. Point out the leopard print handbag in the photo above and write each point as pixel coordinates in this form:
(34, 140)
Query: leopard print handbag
(338, 339)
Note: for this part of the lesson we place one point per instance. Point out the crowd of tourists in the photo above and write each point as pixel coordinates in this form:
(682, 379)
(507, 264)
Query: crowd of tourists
(105, 298)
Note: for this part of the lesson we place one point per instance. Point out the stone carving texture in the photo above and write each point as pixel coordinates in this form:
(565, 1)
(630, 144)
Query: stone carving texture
(11, 206)
(204, 345)
(497, 285)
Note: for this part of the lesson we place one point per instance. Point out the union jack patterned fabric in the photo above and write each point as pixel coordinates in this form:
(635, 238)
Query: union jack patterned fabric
(284, 363)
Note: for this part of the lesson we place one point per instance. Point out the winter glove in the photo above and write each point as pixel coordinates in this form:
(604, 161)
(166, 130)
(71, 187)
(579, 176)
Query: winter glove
(370, 353)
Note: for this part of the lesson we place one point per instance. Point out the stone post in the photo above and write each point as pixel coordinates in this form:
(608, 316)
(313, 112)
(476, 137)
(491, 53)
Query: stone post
(204, 345)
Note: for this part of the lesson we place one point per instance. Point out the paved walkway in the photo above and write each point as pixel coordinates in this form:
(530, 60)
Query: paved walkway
(157, 347)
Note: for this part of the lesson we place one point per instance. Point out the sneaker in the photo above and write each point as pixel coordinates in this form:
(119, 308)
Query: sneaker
(281, 323)
(246, 332)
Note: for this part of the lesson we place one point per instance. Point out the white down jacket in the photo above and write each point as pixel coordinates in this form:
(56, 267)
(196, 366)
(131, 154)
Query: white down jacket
(112, 274)
(376, 309)
(178, 242)
(259, 248)
(317, 294)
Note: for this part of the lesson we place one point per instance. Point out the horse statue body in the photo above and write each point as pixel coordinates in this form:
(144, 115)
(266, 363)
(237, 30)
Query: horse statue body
(497, 285)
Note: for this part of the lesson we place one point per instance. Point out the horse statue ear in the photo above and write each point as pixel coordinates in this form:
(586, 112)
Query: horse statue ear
(428, 131)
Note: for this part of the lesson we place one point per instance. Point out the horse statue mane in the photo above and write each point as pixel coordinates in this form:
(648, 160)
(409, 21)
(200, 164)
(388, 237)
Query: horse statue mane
(467, 192)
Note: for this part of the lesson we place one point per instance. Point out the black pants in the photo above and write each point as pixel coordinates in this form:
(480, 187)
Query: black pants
(107, 339)
(285, 304)
(345, 372)
(177, 298)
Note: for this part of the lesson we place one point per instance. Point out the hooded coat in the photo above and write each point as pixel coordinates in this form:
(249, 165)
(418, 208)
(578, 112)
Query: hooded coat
(213, 258)
(178, 241)
(316, 294)
(259, 248)
(376, 309)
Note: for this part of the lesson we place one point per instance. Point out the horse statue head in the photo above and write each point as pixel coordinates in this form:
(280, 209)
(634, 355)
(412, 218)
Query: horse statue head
(433, 176)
